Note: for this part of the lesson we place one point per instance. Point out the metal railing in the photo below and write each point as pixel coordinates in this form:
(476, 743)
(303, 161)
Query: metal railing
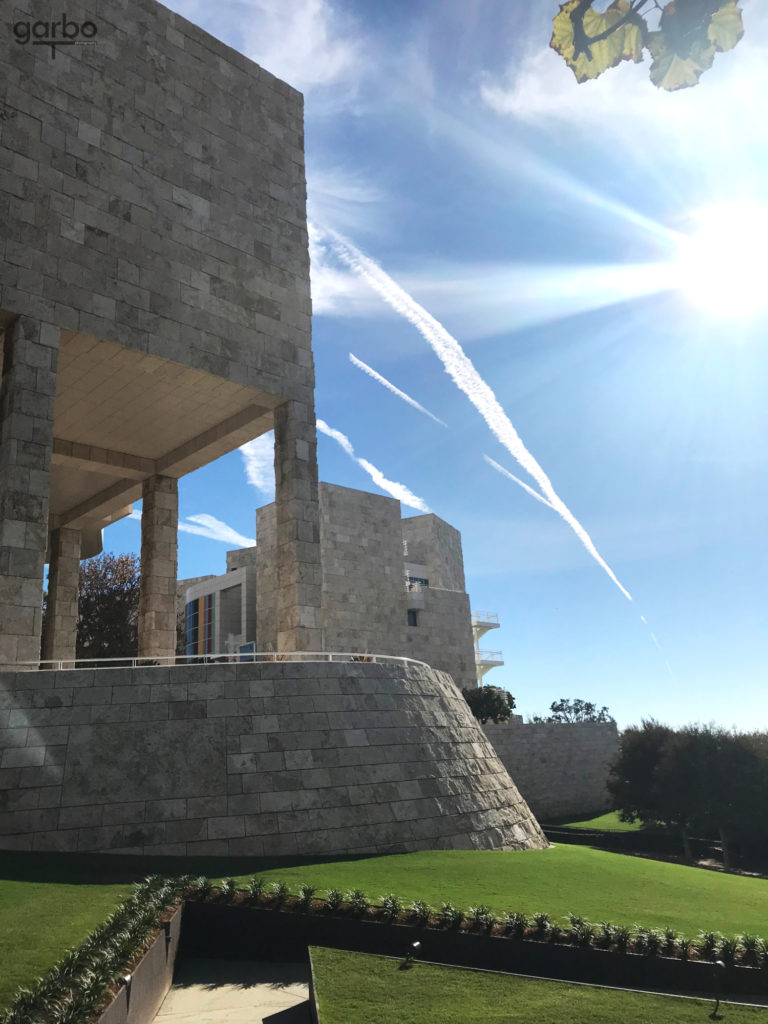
(486, 656)
(478, 617)
(214, 659)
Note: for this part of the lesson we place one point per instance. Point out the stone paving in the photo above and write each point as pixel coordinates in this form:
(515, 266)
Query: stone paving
(235, 991)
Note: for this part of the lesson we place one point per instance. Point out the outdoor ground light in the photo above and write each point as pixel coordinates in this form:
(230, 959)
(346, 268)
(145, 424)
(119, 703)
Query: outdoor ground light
(413, 950)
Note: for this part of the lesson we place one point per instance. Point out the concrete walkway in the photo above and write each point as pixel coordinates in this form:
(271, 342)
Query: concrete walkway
(236, 992)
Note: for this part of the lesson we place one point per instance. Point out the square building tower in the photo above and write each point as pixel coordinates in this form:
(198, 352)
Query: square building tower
(154, 305)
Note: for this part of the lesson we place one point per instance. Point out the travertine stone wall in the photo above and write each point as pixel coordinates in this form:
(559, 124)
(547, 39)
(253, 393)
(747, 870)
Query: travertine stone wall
(362, 545)
(27, 393)
(275, 758)
(60, 637)
(560, 769)
(266, 578)
(155, 195)
(443, 636)
(159, 567)
(298, 569)
(436, 544)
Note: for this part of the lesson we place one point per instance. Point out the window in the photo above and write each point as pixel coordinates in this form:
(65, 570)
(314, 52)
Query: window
(413, 617)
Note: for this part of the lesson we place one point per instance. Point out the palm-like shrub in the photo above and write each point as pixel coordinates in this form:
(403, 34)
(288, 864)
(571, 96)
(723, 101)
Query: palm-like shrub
(333, 899)
(421, 911)
(685, 947)
(622, 936)
(730, 948)
(709, 944)
(203, 886)
(670, 941)
(279, 892)
(452, 915)
(752, 950)
(516, 923)
(255, 888)
(543, 924)
(606, 935)
(358, 901)
(391, 905)
(228, 889)
(306, 895)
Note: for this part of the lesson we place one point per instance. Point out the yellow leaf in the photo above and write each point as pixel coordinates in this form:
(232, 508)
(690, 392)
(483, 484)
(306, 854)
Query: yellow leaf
(586, 55)
(726, 27)
(670, 71)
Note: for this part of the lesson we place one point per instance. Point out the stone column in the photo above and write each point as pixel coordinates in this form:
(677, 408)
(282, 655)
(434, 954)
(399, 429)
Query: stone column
(299, 577)
(159, 565)
(27, 394)
(60, 633)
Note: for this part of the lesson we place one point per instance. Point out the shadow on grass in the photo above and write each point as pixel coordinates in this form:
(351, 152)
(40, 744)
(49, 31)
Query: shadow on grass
(113, 869)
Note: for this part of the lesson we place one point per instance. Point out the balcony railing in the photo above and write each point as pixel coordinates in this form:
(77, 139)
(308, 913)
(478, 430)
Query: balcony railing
(415, 583)
(489, 658)
(478, 617)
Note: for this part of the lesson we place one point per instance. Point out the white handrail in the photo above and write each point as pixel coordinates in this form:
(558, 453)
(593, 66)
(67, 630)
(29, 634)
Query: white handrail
(221, 658)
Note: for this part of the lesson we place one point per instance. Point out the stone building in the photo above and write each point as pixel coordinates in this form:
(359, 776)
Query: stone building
(154, 307)
(155, 314)
(389, 586)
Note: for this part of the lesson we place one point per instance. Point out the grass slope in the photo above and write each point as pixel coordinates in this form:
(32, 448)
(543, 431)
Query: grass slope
(40, 922)
(609, 822)
(373, 990)
(594, 884)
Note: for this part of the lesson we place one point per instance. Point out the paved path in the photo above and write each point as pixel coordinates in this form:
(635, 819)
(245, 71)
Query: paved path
(232, 991)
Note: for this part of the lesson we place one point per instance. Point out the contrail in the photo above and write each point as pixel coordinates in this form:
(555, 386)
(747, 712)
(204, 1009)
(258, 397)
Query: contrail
(505, 472)
(467, 379)
(204, 525)
(391, 387)
(399, 491)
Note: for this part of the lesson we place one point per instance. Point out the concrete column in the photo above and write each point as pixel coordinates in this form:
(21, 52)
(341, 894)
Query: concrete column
(159, 567)
(27, 394)
(299, 577)
(60, 634)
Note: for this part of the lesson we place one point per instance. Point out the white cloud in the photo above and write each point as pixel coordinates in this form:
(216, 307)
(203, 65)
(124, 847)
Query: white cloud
(396, 490)
(307, 43)
(259, 461)
(391, 387)
(463, 373)
(203, 525)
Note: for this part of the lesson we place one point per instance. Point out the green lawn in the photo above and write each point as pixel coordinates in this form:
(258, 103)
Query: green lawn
(355, 987)
(594, 884)
(44, 911)
(39, 922)
(609, 822)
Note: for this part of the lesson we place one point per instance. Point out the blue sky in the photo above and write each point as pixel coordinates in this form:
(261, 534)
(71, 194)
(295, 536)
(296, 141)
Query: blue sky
(537, 224)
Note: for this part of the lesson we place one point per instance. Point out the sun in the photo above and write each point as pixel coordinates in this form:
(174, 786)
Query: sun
(722, 265)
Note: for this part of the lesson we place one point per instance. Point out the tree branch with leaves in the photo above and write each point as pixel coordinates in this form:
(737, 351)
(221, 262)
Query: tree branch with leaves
(682, 46)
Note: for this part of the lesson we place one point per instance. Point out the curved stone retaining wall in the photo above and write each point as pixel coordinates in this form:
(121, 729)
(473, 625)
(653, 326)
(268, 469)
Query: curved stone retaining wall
(241, 759)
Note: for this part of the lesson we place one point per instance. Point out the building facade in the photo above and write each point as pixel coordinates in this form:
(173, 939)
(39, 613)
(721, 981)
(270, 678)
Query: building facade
(389, 586)
(154, 309)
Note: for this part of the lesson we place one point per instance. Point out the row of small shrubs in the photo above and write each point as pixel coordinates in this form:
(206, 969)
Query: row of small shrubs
(78, 984)
(747, 950)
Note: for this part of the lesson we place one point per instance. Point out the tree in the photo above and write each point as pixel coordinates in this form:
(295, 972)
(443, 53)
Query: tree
(682, 47)
(108, 610)
(569, 711)
(490, 702)
(633, 778)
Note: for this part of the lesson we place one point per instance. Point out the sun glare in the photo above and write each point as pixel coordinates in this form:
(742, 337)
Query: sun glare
(723, 263)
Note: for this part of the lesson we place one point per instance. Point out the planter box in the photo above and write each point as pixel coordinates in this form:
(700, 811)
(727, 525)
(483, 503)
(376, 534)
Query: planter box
(150, 979)
(237, 932)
